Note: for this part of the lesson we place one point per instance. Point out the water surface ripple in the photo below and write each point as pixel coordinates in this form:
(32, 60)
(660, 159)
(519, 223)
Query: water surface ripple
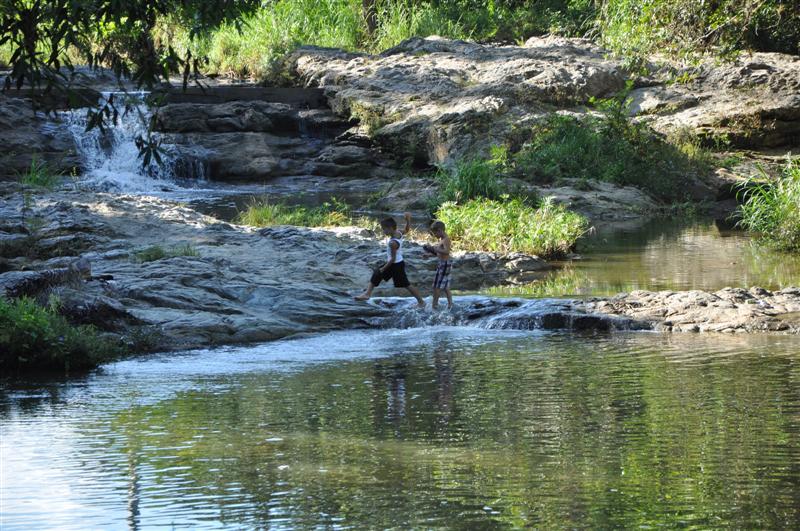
(425, 428)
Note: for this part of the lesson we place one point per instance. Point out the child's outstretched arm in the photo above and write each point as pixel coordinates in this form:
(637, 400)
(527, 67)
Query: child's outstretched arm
(407, 228)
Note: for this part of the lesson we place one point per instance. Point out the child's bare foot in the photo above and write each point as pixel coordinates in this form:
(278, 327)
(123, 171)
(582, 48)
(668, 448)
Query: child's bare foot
(362, 297)
(421, 305)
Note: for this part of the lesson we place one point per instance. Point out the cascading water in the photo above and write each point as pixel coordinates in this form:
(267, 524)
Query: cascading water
(111, 157)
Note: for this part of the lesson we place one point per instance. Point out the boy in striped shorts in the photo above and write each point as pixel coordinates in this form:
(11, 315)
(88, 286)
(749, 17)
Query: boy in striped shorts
(443, 268)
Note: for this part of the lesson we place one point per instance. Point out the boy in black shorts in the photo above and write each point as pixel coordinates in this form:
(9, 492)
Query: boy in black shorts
(395, 266)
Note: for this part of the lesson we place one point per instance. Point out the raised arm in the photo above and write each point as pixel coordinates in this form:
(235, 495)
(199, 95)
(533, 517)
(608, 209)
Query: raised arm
(407, 228)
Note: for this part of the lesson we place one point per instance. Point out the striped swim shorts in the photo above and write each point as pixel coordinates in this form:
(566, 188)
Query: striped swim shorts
(442, 278)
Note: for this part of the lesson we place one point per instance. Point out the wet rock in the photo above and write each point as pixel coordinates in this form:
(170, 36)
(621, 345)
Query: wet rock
(34, 283)
(726, 310)
(27, 136)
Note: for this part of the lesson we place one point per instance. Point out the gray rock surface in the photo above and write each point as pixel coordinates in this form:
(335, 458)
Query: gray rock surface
(244, 284)
(260, 141)
(727, 310)
(437, 100)
(26, 136)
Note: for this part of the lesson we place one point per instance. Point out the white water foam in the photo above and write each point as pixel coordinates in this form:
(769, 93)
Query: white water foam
(111, 158)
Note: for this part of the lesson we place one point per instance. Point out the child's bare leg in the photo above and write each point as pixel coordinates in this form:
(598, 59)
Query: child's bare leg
(435, 300)
(415, 292)
(449, 298)
(367, 293)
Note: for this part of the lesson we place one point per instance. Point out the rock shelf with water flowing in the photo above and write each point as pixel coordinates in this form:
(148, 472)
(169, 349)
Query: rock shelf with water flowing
(248, 285)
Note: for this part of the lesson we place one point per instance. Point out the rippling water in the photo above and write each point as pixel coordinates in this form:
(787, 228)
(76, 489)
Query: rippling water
(437, 427)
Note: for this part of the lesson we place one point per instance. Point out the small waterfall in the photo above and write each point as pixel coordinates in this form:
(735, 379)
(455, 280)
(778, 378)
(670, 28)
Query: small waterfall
(111, 157)
(504, 314)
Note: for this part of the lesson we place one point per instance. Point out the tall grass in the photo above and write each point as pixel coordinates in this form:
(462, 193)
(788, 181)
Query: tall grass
(40, 175)
(772, 209)
(684, 28)
(470, 179)
(250, 49)
(512, 226)
(34, 337)
(333, 213)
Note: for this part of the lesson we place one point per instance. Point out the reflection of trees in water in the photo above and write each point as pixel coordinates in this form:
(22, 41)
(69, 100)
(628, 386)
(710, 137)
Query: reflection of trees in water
(609, 433)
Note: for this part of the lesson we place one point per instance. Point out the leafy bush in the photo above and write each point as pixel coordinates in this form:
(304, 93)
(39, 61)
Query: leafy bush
(772, 209)
(333, 213)
(684, 27)
(609, 148)
(34, 337)
(512, 226)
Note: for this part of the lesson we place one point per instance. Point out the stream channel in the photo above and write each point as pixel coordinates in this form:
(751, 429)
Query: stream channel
(438, 426)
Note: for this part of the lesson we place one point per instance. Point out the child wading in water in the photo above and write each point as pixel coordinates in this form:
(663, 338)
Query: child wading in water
(395, 266)
(442, 279)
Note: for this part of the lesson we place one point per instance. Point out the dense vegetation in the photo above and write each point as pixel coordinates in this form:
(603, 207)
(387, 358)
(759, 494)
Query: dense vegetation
(547, 230)
(630, 28)
(611, 148)
(608, 147)
(772, 209)
(35, 337)
(149, 40)
(481, 214)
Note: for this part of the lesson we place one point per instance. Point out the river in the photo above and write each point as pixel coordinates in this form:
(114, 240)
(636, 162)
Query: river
(431, 427)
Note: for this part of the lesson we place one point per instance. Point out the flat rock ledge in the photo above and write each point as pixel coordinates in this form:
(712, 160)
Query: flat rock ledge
(728, 310)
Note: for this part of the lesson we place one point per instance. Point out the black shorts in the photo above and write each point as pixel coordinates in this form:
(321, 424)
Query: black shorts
(396, 271)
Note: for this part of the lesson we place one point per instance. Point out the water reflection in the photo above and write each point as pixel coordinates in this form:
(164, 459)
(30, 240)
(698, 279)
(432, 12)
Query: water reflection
(664, 255)
(417, 428)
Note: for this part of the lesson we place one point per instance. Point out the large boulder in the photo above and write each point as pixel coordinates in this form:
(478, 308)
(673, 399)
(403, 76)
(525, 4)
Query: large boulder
(28, 136)
(436, 100)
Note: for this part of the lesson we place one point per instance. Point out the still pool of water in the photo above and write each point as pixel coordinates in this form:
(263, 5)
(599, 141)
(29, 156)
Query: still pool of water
(419, 428)
(665, 255)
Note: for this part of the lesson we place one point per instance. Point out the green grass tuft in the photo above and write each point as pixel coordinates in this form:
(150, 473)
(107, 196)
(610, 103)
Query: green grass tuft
(156, 252)
(40, 175)
(333, 213)
(34, 337)
(512, 226)
(772, 209)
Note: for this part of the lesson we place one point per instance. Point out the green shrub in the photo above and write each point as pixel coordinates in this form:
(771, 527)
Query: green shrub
(470, 179)
(34, 337)
(685, 27)
(772, 209)
(512, 226)
(332, 213)
(156, 252)
(609, 148)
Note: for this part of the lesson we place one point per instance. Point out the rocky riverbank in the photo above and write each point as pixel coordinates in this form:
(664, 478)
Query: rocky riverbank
(237, 284)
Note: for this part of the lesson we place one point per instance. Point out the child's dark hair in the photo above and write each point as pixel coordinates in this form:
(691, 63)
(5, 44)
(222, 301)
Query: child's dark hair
(437, 225)
(389, 223)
